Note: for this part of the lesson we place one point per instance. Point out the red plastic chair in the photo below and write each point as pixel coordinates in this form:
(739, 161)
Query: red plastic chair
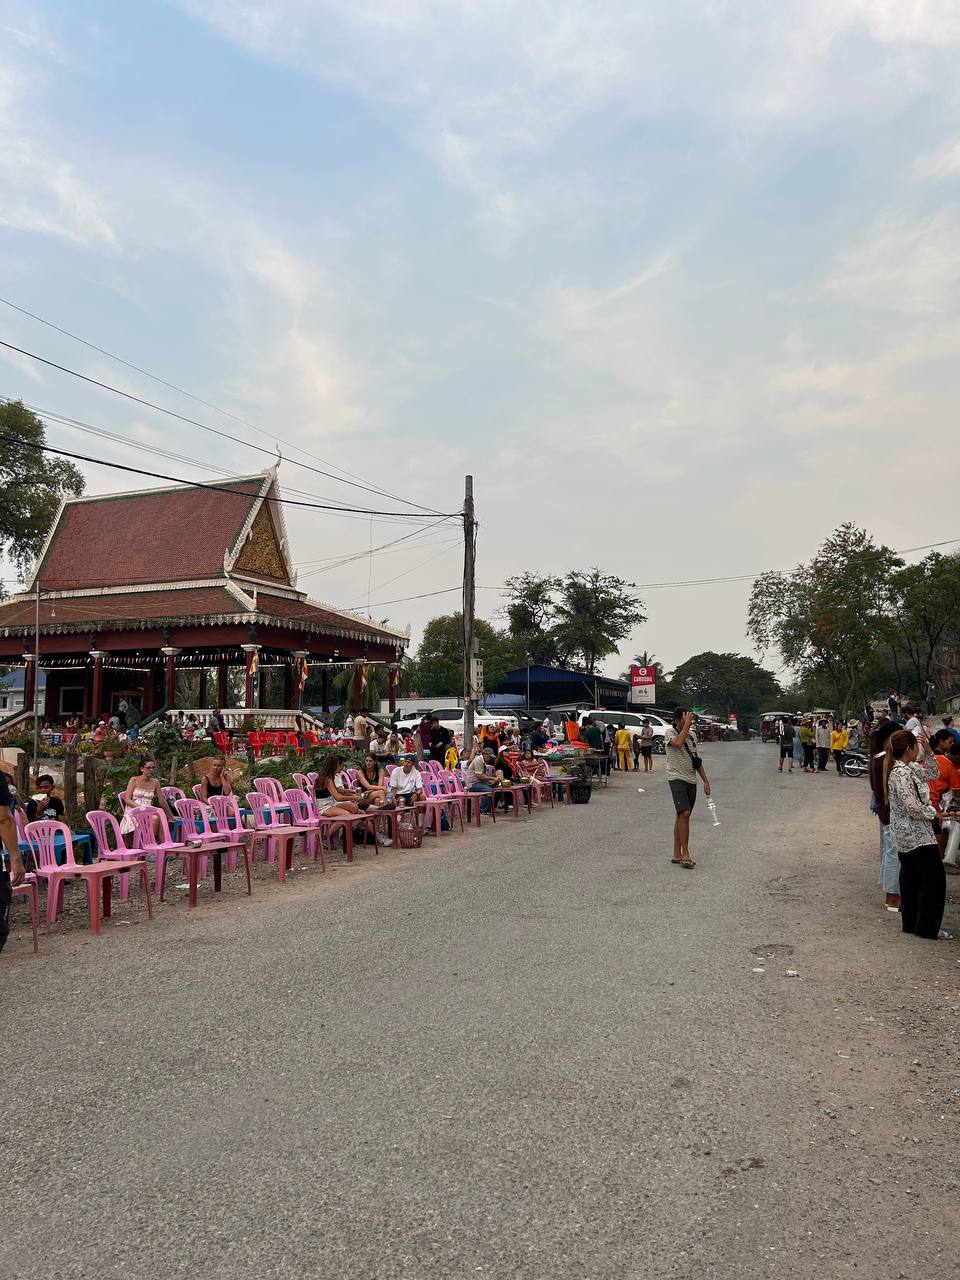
(96, 876)
(222, 742)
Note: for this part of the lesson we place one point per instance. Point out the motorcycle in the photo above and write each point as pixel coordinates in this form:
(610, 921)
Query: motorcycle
(855, 762)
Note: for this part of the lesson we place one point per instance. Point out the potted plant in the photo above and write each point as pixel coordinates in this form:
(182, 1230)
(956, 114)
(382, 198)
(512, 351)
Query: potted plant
(582, 786)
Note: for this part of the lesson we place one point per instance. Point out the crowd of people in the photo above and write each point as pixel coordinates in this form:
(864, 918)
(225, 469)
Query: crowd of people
(915, 794)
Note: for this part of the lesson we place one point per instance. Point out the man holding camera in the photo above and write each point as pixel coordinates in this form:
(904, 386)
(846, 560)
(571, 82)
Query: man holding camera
(683, 767)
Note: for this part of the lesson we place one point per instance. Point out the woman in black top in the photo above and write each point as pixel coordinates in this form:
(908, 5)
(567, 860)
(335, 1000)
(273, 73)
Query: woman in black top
(370, 780)
(217, 781)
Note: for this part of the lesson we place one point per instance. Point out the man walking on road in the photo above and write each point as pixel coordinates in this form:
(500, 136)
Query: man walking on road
(683, 767)
(786, 743)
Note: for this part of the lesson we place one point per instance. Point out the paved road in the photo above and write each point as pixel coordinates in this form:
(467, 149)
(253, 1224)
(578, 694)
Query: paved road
(540, 1051)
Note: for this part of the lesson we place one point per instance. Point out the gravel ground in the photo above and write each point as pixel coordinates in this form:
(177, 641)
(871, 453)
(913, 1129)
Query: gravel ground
(535, 1051)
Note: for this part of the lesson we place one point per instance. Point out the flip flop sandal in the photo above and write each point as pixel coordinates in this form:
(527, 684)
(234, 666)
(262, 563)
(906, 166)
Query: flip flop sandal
(676, 862)
(943, 936)
(688, 864)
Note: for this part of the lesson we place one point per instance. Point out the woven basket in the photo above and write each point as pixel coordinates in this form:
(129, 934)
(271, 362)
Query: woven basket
(409, 837)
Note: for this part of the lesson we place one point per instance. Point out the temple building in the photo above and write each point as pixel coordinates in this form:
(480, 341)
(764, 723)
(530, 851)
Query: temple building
(133, 588)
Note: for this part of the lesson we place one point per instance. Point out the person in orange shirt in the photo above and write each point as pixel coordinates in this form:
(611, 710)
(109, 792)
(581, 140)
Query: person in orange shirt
(948, 775)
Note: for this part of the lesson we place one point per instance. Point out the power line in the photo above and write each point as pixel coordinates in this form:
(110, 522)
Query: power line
(193, 422)
(218, 488)
(50, 416)
(209, 404)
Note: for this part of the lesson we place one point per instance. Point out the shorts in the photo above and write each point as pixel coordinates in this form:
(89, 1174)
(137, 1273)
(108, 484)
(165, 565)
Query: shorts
(786, 750)
(646, 751)
(684, 795)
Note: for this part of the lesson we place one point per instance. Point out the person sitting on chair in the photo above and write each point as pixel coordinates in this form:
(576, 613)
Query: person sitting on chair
(406, 783)
(333, 799)
(370, 780)
(216, 781)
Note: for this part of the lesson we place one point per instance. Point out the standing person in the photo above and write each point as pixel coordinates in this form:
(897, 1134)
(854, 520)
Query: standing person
(823, 744)
(948, 777)
(133, 718)
(439, 739)
(798, 745)
(548, 726)
(893, 705)
(646, 744)
(636, 743)
(361, 731)
(889, 861)
(9, 878)
(683, 767)
(923, 882)
(868, 714)
(622, 740)
(787, 734)
(839, 740)
(808, 739)
(423, 736)
(930, 697)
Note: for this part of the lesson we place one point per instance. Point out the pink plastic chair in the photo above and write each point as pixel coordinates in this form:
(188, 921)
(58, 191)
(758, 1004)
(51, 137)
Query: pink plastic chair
(229, 820)
(282, 834)
(304, 783)
(198, 791)
(270, 788)
(196, 824)
(304, 813)
(170, 794)
(146, 841)
(97, 877)
(111, 844)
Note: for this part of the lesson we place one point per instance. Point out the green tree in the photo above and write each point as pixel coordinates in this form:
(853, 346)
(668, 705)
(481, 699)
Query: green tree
(438, 667)
(531, 612)
(826, 616)
(924, 612)
(725, 682)
(595, 612)
(32, 484)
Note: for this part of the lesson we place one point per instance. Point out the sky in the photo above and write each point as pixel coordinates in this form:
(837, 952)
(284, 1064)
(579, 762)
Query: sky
(678, 283)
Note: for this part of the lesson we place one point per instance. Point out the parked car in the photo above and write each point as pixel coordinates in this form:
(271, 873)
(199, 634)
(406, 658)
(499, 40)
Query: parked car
(633, 721)
(452, 718)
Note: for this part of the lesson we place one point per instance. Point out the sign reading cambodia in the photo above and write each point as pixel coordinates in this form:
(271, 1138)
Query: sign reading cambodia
(643, 684)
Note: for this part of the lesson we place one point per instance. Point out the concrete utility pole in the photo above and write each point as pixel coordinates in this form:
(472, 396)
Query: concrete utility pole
(469, 605)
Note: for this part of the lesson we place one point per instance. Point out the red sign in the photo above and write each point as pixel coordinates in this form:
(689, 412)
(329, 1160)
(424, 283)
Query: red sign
(643, 684)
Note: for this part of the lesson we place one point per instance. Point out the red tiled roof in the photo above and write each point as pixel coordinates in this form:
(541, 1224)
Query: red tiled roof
(196, 605)
(130, 609)
(171, 535)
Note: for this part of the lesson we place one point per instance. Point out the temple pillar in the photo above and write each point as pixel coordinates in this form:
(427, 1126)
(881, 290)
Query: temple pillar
(394, 671)
(171, 677)
(357, 687)
(223, 685)
(29, 682)
(202, 693)
(250, 652)
(325, 697)
(263, 690)
(96, 695)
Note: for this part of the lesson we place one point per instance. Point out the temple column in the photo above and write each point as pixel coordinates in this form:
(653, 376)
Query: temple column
(325, 696)
(357, 686)
(223, 685)
(263, 690)
(202, 693)
(171, 654)
(394, 670)
(29, 682)
(96, 696)
(250, 651)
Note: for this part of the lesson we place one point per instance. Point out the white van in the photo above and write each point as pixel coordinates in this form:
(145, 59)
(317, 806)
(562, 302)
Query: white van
(452, 718)
(633, 722)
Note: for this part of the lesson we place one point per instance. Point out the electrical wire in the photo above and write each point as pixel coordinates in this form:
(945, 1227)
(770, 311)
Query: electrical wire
(209, 404)
(219, 488)
(193, 422)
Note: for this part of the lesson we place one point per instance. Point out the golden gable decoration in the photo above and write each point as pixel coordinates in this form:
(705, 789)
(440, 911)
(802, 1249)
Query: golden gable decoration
(261, 556)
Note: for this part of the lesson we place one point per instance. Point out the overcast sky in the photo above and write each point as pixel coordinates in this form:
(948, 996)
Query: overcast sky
(678, 282)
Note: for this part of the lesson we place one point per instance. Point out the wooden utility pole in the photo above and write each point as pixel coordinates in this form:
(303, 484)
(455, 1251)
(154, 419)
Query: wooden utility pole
(469, 604)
